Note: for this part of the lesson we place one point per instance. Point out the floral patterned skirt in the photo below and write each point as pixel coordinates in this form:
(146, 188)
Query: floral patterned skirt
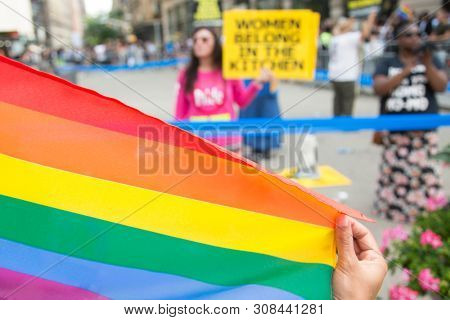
(408, 176)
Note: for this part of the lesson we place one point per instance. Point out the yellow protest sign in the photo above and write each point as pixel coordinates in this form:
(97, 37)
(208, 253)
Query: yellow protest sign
(285, 41)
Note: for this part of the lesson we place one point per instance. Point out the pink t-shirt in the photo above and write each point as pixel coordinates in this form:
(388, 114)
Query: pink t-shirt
(213, 99)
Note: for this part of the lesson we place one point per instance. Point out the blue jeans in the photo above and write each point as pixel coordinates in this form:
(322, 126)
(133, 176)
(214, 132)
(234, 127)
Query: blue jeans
(263, 106)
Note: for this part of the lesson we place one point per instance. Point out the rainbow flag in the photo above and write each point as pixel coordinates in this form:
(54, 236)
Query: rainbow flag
(404, 12)
(99, 201)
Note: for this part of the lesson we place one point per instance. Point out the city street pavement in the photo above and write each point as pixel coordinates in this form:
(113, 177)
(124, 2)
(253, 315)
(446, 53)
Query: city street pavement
(352, 154)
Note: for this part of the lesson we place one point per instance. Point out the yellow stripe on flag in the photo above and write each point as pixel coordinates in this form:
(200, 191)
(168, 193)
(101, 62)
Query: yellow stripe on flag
(168, 214)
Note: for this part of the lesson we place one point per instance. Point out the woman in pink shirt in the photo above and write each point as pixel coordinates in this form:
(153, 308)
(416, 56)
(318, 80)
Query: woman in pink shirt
(203, 93)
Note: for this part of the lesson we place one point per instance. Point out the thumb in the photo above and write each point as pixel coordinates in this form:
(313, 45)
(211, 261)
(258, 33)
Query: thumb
(344, 240)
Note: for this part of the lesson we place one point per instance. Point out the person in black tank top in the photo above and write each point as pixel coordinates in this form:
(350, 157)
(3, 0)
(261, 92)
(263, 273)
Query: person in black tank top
(406, 84)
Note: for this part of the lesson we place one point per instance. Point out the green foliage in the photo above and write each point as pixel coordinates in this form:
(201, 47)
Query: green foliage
(98, 30)
(444, 155)
(116, 14)
(411, 254)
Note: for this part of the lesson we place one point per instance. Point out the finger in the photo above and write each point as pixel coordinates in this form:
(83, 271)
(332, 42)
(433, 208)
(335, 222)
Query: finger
(369, 255)
(363, 237)
(356, 246)
(344, 240)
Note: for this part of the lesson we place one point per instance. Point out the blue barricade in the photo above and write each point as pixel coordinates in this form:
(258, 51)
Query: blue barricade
(289, 126)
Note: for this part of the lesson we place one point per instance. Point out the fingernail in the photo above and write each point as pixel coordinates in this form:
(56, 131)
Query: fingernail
(342, 221)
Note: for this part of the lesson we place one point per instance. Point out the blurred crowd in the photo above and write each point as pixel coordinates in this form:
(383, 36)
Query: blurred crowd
(350, 49)
(132, 51)
(434, 28)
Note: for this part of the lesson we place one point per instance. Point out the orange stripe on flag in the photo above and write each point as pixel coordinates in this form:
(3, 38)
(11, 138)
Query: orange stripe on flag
(100, 153)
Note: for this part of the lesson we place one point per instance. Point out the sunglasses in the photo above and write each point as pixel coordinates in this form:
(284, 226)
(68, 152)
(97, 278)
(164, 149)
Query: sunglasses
(202, 39)
(411, 34)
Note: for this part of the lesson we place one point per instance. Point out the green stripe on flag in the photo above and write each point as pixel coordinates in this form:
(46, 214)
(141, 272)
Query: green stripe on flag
(98, 240)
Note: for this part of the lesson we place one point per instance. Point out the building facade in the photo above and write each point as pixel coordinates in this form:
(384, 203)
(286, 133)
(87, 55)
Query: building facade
(16, 17)
(59, 23)
(144, 17)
